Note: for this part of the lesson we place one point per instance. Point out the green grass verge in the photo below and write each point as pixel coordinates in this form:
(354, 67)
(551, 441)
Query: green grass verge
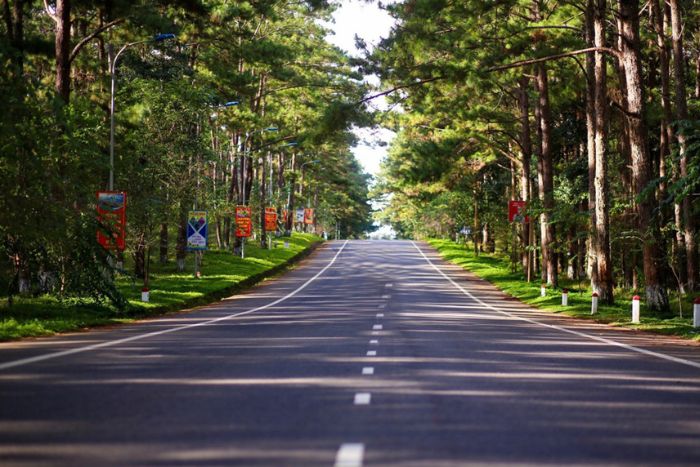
(222, 275)
(496, 270)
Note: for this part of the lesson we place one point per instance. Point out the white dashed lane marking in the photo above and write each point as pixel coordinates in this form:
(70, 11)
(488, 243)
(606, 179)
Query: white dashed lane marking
(377, 327)
(350, 455)
(368, 370)
(363, 398)
(371, 353)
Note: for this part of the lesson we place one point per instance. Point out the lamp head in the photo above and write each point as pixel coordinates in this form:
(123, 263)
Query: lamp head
(162, 37)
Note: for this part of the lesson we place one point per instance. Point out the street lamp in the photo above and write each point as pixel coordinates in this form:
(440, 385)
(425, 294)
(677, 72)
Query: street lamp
(113, 76)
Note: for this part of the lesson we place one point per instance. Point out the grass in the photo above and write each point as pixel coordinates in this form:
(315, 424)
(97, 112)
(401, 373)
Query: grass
(222, 274)
(496, 270)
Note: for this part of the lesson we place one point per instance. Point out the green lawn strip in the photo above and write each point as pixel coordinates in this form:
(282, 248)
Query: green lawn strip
(496, 270)
(223, 274)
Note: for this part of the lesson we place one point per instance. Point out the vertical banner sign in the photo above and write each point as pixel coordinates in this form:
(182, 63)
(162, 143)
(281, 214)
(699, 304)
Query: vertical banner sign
(244, 226)
(270, 219)
(308, 216)
(300, 215)
(516, 211)
(197, 228)
(111, 213)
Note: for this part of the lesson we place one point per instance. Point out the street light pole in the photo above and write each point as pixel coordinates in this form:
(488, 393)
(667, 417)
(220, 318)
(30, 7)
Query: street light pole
(113, 76)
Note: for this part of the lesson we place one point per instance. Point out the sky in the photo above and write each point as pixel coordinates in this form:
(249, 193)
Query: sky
(370, 23)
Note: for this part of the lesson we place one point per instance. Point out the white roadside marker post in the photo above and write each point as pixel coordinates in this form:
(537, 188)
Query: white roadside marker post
(594, 303)
(543, 290)
(635, 309)
(696, 313)
(565, 297)
(145, 294)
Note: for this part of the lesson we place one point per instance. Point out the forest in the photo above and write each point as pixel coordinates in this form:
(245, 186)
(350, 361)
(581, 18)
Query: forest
(182, 105)
(586, 111)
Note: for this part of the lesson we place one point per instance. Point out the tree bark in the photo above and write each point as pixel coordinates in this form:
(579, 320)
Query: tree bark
(602, 225)
(63, 49)
(691, 251)
(525, 158)
(164, 243)
(548, 234)
(656, 297)
(181, 245)
(590, 147)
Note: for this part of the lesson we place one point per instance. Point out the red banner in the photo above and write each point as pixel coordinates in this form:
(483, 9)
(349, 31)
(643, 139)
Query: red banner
(111, 213)
(244, 226)
(270, 219)
(516, 211)
(308, 216)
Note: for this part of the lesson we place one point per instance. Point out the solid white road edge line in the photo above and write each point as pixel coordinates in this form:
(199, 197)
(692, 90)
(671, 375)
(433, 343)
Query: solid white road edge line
(350, 455)
(41, 358)
(603, 340)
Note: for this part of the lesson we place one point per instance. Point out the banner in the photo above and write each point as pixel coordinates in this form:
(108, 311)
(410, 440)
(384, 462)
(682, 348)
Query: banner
(308, 216)
(111, 213)
(300, 215)
(244, 226)
(197, 229)
(270, 219)
(516, 211)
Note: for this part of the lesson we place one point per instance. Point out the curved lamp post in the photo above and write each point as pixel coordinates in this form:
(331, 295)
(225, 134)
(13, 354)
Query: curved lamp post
(113, 76)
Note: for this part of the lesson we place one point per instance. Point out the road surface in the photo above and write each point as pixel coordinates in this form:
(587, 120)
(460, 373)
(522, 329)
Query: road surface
(371, 353)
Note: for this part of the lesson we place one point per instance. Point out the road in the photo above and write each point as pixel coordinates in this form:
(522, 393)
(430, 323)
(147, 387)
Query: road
(371, 353)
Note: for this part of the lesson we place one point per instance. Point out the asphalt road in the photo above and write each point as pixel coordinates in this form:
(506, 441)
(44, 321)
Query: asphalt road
(371, 353)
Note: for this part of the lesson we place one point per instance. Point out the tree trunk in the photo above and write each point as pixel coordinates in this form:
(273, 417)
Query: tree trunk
(181, 245)
(548, 234)
(263, 201)
(590, 147)
(289, 222)
(691, 251)
(525, 157)
(140, 256)
(656, 297)
(63, 49)
(164, 243)
(602, 225)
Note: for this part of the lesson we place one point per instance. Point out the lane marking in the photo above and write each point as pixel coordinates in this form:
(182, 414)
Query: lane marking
(350, 455)
(386, 296)
(389, 285)
(368, 370)
(50, 356)
(382, 306)
(374, 342)
(380, 315)
(375, 333)
(371, 353)
(603, 340)
(363, 398)
(377, 327)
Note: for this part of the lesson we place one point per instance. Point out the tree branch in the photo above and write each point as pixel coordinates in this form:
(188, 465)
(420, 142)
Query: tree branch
(90, 37)
(608, 50)
(48, 12)
(398, 88)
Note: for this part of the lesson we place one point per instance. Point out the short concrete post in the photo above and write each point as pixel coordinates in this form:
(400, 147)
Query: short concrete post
(594, 303)
(696, 313)
(543, 290)
(145, 294)
(635, 309)
(565, 297)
